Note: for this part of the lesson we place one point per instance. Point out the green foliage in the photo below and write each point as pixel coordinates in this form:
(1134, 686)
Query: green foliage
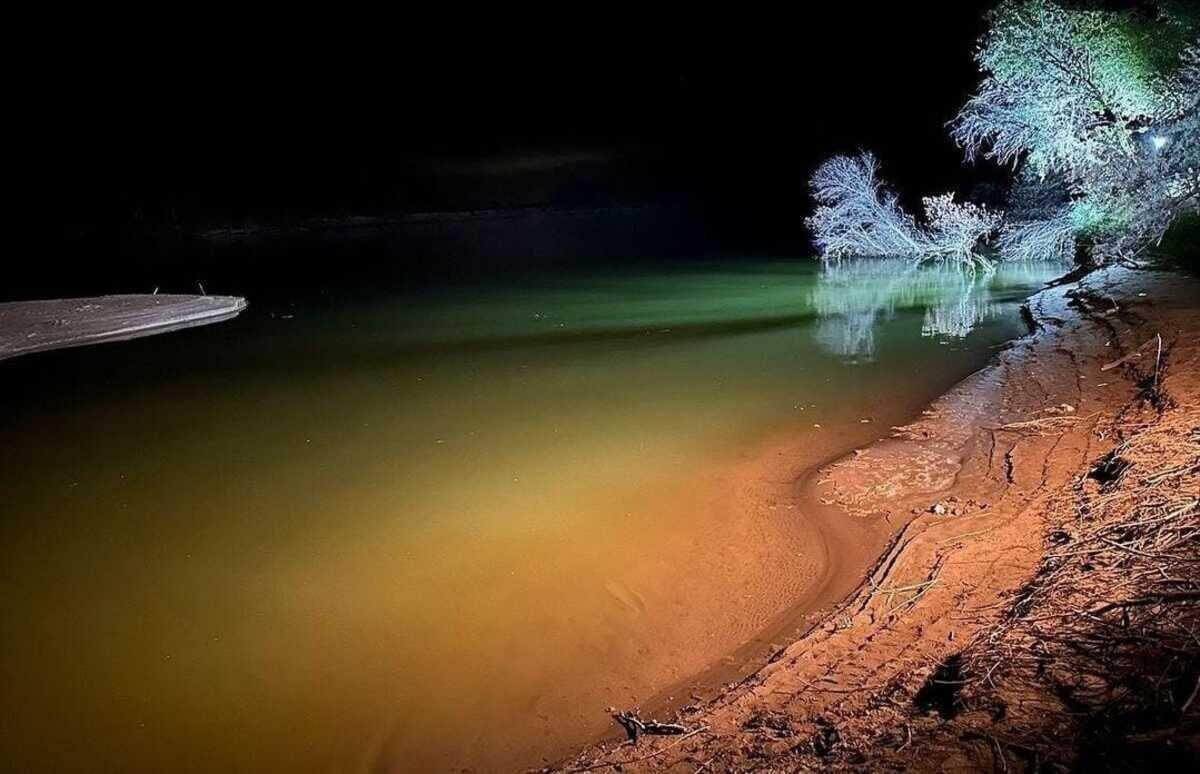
(1094, 219)
(1074, 85)
(1096, 111)
(1104, 102)
(1103, 56)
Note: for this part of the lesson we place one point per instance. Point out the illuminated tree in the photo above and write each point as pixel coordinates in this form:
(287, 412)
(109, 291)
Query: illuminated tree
(857, 215)
(957, 230)
(1063, 89)
(1098, 114)
(1104, 103)
(1040, 224)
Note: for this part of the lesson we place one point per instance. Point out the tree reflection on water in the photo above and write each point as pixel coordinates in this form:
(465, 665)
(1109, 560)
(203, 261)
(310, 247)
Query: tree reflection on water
(852, 296)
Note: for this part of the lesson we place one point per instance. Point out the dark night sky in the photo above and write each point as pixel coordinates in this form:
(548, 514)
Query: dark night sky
(359, 111)
(233, 120)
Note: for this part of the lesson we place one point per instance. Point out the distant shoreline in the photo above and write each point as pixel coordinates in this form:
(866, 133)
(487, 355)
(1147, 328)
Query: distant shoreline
(27, 327)
(350, 223)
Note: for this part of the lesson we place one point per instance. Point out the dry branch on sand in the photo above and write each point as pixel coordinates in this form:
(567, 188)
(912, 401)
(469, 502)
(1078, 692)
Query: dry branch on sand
(1098, 657)
(1094, 662)
(629, 720)
(635, 727)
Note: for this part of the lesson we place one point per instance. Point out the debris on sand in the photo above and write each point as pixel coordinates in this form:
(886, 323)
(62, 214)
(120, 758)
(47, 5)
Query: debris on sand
(635, 727)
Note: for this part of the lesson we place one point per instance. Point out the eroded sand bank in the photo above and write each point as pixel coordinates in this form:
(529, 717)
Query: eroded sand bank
(964, 488)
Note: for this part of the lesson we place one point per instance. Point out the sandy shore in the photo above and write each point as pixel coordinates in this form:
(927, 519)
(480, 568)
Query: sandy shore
(696, 611)
(964, 492)
(38, 326)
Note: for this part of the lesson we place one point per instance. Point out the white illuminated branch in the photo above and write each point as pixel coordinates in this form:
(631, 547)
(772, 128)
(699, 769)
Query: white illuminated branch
(1098, 114)
(857, 215)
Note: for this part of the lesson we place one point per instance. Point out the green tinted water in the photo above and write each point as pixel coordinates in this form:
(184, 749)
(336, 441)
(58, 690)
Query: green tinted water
(427, 531)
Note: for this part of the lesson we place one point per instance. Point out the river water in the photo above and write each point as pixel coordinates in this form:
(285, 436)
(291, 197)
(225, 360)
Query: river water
(392, 530)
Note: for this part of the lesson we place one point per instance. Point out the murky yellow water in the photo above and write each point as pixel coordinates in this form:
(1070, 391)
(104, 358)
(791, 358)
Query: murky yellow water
(431, 532)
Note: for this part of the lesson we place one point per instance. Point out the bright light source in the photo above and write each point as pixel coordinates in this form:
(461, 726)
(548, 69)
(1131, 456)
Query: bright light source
(1158, 141)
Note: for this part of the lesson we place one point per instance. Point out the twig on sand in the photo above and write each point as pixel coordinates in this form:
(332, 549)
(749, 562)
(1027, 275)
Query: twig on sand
(1191, 698)
(634, 726)
(918, 590)
(648, 756)
(966, 535)
(1044, 423)
(911, 602)
(999, 752)
(812, 686)
(1157, 363)
(1134, 355)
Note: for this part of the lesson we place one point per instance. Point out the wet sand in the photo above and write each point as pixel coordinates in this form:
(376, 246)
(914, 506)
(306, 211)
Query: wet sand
(781, 554)
(762, 561)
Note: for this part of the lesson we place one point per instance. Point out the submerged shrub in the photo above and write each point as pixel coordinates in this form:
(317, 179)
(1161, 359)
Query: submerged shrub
(858, 215)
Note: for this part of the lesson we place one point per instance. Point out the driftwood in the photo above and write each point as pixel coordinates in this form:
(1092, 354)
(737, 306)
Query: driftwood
(635, 727)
